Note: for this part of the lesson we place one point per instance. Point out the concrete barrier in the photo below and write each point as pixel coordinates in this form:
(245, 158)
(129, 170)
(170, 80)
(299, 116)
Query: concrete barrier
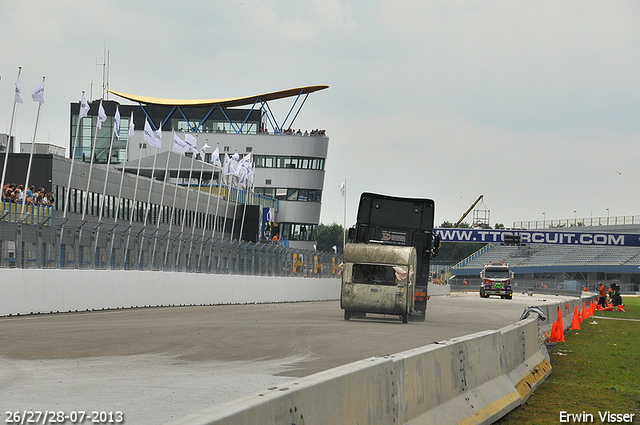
(475, 379)
(457, 381)
(30, 291)
(360, 392)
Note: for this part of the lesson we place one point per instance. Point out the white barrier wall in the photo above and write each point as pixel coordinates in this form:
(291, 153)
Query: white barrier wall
(27, 291)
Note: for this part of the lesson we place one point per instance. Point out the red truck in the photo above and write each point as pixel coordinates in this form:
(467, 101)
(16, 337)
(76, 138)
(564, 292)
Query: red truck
(496, 280)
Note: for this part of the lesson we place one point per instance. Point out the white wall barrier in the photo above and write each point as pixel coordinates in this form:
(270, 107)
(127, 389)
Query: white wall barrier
(29, 291)
(475, 379)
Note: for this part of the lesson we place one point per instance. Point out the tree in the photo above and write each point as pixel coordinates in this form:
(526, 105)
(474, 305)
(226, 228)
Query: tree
(329, 236)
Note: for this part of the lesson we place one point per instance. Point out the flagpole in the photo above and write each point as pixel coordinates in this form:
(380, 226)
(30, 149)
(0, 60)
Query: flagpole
(106, 175)
(344, 218)
(126, 149)
(156, 141)
(73, 154)
(206, 214)
(135, 195)
(148, 207)
(215, 218)
(6, 152)
(93, 150)
(161, 215)
(130, 134)
(235, 210)
(33, 143)
(195, 218)
(228, 198)
(186, 200)
(244, 212)
(173, 208)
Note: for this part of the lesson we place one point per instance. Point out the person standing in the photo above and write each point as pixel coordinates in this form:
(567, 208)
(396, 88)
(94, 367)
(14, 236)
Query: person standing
(602, 301)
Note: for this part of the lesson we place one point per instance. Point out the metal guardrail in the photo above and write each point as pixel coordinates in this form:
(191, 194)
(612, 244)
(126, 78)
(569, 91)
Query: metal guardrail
(578, 222)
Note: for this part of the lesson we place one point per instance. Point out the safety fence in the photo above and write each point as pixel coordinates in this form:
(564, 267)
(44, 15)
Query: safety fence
(95, 246)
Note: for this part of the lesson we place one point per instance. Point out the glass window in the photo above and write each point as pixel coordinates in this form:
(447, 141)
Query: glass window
(281, 194)
(373, 274)
(292, 194)
(270, 192)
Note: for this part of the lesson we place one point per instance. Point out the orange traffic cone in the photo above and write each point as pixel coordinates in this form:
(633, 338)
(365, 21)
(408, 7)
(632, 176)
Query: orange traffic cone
(557, 330)
(575, 321)
(585, 312)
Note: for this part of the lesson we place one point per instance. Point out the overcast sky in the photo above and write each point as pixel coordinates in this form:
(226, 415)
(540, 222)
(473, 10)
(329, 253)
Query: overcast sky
(534, 104)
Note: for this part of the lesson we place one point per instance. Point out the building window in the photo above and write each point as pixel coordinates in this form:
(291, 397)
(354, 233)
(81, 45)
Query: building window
(267, 161)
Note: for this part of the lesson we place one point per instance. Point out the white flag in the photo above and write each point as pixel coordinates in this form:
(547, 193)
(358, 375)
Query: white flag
(116, 123)
(203, 150)
(150, 135)
(227, 165)
(38, 95)
(215, 158)
(179, 145)
(343, 188)
(84, 107)
(18, 99)
(102, 116)
(159, 134)
(335, 249)
(191, 141)
(131, 126)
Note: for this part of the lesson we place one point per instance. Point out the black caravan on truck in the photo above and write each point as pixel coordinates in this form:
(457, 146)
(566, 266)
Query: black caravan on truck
(395, 221)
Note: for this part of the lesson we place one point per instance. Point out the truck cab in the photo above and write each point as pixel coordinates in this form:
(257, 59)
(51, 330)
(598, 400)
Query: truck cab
(496, 280)
(378, 279)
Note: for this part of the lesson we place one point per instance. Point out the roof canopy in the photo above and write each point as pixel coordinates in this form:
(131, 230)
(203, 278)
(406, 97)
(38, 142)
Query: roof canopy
(230, 102)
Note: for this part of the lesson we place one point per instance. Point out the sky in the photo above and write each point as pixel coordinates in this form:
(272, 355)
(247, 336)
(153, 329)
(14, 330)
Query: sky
(533, 104)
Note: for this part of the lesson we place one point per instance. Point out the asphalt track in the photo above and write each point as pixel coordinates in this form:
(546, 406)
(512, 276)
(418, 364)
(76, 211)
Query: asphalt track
(155, 364)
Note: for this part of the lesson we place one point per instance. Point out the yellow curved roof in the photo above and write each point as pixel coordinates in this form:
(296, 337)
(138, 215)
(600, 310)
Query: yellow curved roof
(230, 102)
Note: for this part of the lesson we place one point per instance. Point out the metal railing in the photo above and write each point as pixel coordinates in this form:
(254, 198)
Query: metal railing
(577, 222)
(102, 246)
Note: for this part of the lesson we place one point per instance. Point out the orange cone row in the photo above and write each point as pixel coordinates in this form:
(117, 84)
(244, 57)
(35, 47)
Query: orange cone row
(557, 329)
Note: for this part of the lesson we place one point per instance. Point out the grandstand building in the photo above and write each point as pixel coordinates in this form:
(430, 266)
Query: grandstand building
(289, 175)
(571, 267)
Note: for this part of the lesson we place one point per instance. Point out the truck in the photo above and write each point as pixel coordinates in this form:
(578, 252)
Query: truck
(393, 236)
(496, 280)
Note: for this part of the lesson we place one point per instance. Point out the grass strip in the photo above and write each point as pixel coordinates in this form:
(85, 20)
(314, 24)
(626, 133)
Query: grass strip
(596, 370)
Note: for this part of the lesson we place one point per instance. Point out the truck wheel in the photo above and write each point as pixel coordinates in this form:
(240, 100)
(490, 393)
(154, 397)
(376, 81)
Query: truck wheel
(509, 297)
(481, 293)
(405, 318)
(347, 315)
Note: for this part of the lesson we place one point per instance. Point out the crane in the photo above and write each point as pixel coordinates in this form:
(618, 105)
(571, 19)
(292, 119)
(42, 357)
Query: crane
(468, 211)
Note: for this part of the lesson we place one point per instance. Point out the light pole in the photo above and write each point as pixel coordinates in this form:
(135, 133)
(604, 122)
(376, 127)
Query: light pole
(607, 216)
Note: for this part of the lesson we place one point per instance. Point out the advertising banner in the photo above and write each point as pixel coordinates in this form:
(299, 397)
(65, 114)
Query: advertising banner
(546, 236)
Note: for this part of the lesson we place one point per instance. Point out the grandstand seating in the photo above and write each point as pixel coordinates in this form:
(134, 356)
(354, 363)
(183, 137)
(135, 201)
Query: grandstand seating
(554, 255)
